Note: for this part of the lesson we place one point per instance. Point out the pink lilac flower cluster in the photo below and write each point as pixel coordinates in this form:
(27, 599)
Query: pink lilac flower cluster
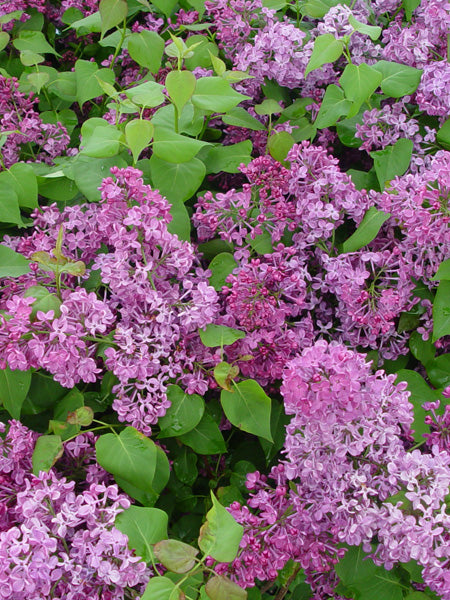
(56, 542)
(27, 136)
(155, 299)
(346, 466)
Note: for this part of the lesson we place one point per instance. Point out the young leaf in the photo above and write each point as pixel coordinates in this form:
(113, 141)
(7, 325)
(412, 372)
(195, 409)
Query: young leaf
(144, 527)
(392, 161)
(326, 49)
(12, 264)
(112, 13)
(175, 148)
(161, 588)
(87, 75)
(268, 107)
(176, 556)
(367, 230)
(148, 94)
(14, 386)
(183, 415)
(146, 48)
(138, 134)
(441, 311)
(224, 373)
(248, 407)
(219, 335)
(373, 32)
(180, 86)
(46, 452)
(214, 94)
(220, 535)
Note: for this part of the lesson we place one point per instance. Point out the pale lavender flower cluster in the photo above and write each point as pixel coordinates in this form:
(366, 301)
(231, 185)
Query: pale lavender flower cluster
(383, 127)
(433, 93)
(55, 542)
(26, 135)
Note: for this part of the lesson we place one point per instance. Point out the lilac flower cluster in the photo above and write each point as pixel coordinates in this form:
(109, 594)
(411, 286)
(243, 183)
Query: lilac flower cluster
(351, 478)
(26, 135)
(156, 298)
(54, 541)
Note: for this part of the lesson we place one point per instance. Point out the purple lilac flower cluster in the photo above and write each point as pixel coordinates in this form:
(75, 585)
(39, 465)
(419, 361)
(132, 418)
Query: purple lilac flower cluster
(155, 299)
(57, 542)
(347, 478)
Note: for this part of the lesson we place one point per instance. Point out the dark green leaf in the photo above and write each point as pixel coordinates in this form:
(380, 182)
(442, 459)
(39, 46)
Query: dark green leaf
(410, 6)
(438, 371)
(22, 179)
(334, 105)
(421, 349)
(46, 452)
(420, 392)
(222, 588)
(177, 181)
(228, 158)
(222, 265)
(14, 386)
(359, 83)
(12, 264)
(89, 172)
(443, 135)
(183, 415)
(392, 161)
(185, 466)
(279, 144)
(443, 271)
(9, 205)
(367, 230)
(205, 438)
(441, 311)
(239, 117)
(175, 148)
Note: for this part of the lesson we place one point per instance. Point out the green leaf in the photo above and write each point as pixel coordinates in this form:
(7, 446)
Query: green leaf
(359, 83)
(6, 18)
(239, 117)
(14, 386)
(420, 392)
(398, 80)
(205, 438)
(392, 161)
(129, 455)
(367, 230)
(46, 452)
(9, 205)
(220, 535)
(185, 466)
(373, 32)
(222, 265)
(318, 8)
(214, 94)
(202, 49)
(410, 6)
(222, 588)
(4, 40)
(180, 86)
(269, 106)
(443, 271)
(103, 143)
(441, 311)
(423, 350)
(417, 596)
(248, 408)
(438, 371)
(90, 24)
(112, 13)
(180, 224)
(224, 373)
(183, 415)
(33, 42)
(138, 134)
(89, 172)
(278, 422)
(173, 147)
(219, 335)
(326, 49)
(166, 7)
(12, 264)
(176, 556)
(146, 48)
(334, 105)
(87, 74)
(443, 135)
(279, 144)
(161, 588)
(228, 158)
(177, 181)
(143, 527)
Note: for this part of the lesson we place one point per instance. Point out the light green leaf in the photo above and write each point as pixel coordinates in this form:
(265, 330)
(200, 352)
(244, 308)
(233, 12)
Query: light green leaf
(248, 408)
(112, 13)
(410, 6)
(46, 452)
(33, 41)
(392, 161)
(318, 8)
(173, 147)
(180, 225)
(12, 264)
(441, 311)
(220, 535)
(222, 265)
(373, 32)
(334, 105)
(176, 556)
(14, 386)
(143, 527)
(222, 588)
(177, 181)
(279, 144)
(183, 415)
(180, 86)
(138, 134)
(103, 143)
(214, 94)
(420, 392)
(87, 74)
(326, 49)
(9, 205)
(239, 117)
(90, 24)
(219, 335)
(359, 83)
(146, 48)
(227, 158)
(88, 174)
(443, 135)
(161, 588)
(166, 7)
(367, 230)
(398, 80)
